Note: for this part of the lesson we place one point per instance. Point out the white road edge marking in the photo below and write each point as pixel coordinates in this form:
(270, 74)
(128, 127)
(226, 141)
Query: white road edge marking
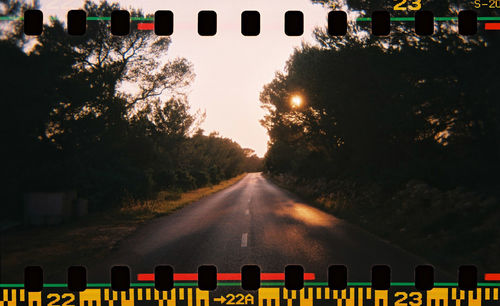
(247, 212)
(244, 240)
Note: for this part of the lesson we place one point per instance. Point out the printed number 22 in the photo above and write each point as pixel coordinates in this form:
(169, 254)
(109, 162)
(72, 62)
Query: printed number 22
(56, 297)
(415, 5)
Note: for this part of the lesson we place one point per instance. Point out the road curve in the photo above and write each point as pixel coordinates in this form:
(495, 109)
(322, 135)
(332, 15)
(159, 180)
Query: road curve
(256, 222)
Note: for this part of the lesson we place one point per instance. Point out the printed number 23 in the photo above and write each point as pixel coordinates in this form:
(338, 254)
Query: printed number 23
(414, 299)
(415, 5)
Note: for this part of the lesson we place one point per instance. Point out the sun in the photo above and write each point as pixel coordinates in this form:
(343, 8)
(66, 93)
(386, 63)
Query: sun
(296, 101)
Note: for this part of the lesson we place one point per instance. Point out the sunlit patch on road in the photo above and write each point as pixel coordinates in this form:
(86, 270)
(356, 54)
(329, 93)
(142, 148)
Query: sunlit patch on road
(308, 215)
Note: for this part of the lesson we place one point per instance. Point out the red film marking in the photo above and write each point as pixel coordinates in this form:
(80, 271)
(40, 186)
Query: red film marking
(492, 276)
(491, 26)
(145, 26)
(221, 276)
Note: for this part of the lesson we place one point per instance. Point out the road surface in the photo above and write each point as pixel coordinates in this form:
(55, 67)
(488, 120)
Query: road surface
(256, 222)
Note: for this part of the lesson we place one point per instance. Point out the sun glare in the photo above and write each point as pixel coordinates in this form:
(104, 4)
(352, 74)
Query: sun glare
(296, 101)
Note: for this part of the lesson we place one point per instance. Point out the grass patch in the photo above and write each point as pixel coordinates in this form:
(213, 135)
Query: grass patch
(169, 201)
(90, 238)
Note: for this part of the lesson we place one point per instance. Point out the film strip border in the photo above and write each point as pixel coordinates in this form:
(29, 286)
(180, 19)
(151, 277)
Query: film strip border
(266, 296)
(250, 278)
(163, 22)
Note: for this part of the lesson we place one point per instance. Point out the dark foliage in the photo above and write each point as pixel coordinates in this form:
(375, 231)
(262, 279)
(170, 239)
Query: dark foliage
(103, 115)
(375, 114)
(400, 134)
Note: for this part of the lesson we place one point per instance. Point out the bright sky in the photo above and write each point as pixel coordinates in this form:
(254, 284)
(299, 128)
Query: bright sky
(230, 68)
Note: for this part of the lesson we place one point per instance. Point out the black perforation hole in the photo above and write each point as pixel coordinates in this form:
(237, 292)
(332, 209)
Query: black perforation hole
(164, 278)
(424, 23)
(120, 22)
(77, 278)
(250, 277)
(337, 23)
(424, 277)
(294, 277)
(467, 22)
(77, 22)
(33, 22)
(120, 278)
(381, 277)
(207, 23)
(33, 278)
(337, 277)
(467, 277)
(207, 278)
(381, 23)
(250, 23)
(164, 23)
(294, 23)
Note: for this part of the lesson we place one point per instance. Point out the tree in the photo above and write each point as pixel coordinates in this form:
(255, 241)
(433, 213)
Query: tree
(373, 112)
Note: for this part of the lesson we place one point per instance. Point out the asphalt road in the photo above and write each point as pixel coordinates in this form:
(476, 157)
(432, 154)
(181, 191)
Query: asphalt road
(256, 222)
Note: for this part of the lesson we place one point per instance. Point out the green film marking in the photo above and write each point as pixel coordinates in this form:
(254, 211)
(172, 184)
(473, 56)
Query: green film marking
(315, 284)
(402, 284)
(142, 18)
(486, 18)
(445, 18)
(10, 18)
(272, 284)
(403, 19)
(360, 19)
(237, 284)
(11, 285)
(488, 284)
(98, 18)
(489, 18)
(185, 284)
(142, 284)
(229, 284)
(109, 18)
(54, 285)
(97, 285)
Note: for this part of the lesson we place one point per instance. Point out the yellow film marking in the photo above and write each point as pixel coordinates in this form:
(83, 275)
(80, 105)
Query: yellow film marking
(437, 295)
(477, 300)
(381, 295)
(318, 293)
(202, 295)
(360, 296)
(327, 293)
(269, 295)
(90, 296)
(12, 301)
(306, 301)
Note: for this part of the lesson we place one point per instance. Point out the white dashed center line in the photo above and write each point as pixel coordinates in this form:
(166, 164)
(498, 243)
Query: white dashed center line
(244, 240)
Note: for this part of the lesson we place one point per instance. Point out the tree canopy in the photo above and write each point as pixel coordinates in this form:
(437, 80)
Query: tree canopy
(104, 115)
(395, 107)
